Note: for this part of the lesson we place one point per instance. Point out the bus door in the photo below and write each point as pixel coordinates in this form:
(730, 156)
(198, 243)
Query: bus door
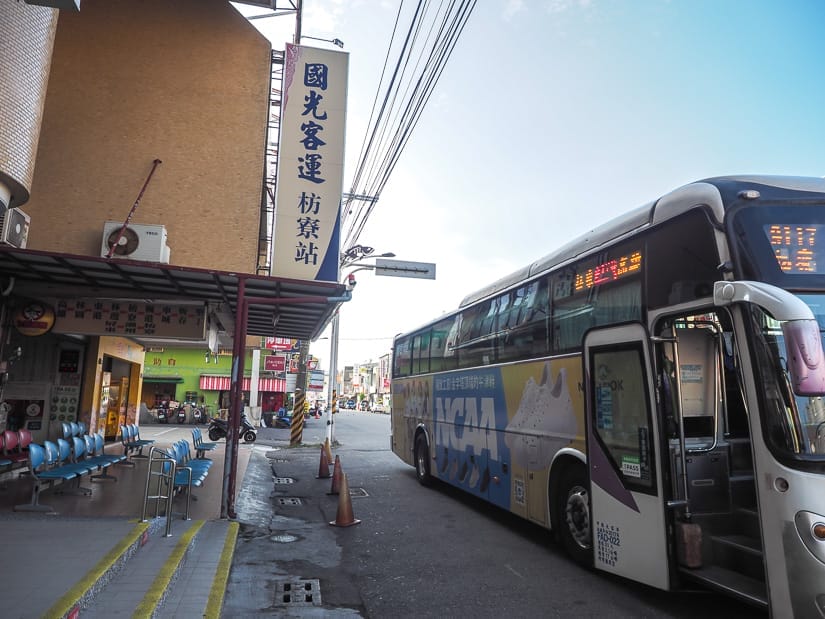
(626, 496)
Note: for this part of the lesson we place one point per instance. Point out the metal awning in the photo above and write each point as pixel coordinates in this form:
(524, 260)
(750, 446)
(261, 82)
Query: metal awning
(277, 307)
(162, 379)
(220, 382)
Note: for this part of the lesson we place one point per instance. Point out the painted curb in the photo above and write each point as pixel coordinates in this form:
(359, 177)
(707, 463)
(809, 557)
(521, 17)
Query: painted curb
(216, 595)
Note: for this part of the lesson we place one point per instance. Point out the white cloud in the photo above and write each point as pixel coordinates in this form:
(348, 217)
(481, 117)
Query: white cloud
(511, 8)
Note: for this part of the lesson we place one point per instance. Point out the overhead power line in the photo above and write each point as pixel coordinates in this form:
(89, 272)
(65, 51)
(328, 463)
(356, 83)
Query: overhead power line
(430, 39)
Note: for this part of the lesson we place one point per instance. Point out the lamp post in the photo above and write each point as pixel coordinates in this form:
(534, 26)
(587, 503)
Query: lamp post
(352, 257)
(336, 42)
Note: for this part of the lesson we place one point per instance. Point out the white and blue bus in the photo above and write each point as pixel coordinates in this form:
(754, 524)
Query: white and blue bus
(652, 392)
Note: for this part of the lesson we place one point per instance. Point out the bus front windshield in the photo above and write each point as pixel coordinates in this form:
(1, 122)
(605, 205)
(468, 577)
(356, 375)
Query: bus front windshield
(794, 425)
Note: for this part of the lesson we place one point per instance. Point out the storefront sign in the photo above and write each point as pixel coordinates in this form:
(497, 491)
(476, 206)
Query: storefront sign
(281, 343)
(34, 318)
(310, 164)
(275, 363)
(108, 317)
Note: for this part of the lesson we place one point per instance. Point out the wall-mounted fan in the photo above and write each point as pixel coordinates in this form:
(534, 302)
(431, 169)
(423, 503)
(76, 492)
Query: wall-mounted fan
(126, 245)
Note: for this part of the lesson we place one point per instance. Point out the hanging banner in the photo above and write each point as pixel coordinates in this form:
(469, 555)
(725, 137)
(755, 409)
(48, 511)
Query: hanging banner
(310, 164)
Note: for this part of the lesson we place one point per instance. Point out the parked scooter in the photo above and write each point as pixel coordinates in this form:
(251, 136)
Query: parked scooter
(163, 412)
(218, 429)
(181, 414)
(198, 415)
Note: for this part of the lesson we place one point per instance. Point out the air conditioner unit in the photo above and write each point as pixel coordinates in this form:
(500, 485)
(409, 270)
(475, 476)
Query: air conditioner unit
(14, 228)
(138, 242)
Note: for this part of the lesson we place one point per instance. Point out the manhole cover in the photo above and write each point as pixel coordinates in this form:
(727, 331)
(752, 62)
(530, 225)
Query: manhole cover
(357, 492)
(289, 500)
(298, 592)
(284, 480)
(284, 538)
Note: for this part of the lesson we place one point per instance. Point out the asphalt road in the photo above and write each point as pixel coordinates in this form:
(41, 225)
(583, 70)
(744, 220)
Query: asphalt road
(417, 552)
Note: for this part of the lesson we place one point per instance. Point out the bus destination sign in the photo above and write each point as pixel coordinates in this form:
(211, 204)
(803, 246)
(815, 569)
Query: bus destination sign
(607, 272)
(794, 246)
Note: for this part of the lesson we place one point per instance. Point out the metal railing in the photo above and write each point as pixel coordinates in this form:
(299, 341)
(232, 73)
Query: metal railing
(162, 469)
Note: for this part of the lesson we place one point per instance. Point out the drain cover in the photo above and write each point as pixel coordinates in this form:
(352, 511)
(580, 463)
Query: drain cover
(284, 480)
(283, 538)
(298, 592)
(289, 500)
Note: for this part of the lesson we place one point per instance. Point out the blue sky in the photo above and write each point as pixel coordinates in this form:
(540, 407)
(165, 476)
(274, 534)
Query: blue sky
(551, 117)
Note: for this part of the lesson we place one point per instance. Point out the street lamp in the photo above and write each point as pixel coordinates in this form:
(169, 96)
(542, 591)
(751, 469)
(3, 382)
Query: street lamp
(352, 257)
(359, 252)
(336, 42)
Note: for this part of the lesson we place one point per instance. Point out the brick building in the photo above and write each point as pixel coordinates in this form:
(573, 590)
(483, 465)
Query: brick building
(166, 101)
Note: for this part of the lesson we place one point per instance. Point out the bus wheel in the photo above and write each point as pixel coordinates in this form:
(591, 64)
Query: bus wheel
(422, 461)
(573, 516)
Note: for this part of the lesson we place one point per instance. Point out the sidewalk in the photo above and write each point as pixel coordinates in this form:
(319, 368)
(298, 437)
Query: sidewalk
(55, 564)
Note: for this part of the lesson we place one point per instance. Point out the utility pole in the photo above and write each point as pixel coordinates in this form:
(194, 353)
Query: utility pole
(298, 13)
(297, 426)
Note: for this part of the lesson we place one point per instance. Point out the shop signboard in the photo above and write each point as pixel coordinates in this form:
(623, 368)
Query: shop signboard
(275, 363)
(130, 318)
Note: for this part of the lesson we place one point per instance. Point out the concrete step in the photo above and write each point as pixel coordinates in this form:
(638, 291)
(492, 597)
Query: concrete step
(183, 575)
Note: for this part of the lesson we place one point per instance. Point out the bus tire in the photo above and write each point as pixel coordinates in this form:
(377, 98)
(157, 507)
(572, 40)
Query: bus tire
(572, 517)
(422, 461)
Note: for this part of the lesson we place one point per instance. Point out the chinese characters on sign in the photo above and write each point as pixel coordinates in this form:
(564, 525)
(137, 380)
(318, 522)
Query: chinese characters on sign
(310, 176)
(99, 317)
(281, 343)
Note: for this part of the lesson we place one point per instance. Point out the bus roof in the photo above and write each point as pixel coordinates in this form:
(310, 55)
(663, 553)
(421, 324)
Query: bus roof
(716, 193)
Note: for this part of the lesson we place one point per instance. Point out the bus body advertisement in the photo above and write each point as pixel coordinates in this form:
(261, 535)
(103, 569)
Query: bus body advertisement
(486, 417)
(652, 392)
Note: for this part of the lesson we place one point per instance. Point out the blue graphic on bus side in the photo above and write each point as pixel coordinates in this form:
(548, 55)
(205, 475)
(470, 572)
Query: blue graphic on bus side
(467, 409)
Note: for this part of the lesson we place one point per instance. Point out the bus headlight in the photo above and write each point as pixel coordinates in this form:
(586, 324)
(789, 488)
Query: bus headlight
(811, 530)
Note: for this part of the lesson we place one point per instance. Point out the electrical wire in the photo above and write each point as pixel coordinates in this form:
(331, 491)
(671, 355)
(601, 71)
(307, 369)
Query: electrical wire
(429, 42)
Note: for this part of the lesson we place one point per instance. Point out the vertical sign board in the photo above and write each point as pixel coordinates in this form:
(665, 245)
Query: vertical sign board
(310, 164)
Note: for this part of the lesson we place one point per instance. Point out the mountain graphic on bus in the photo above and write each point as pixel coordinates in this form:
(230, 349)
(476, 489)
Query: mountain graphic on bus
(544, 422)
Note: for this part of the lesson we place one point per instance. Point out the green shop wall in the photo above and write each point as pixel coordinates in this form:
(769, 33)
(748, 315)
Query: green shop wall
(178, 370)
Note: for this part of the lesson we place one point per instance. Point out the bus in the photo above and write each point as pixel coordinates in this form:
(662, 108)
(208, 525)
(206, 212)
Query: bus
(651, 391)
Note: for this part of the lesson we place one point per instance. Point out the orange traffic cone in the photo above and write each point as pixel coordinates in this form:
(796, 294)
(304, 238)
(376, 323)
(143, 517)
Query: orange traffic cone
(323, 466)
(344, 516)
(329, 451)
(337, 472)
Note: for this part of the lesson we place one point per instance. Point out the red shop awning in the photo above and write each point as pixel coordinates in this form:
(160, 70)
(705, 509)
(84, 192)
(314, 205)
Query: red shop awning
(212, 382)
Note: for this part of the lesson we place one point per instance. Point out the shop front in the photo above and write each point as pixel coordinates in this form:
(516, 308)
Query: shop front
(272, 391)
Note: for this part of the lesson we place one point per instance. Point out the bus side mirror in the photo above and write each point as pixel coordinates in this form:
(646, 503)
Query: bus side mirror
(806, 362)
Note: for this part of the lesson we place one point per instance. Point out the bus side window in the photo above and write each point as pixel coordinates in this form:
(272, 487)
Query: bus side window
(441, 356)
(401, 357)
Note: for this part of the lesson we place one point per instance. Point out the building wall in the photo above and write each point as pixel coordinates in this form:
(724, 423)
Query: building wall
(26, 33)
(131, 81)
(188, 364)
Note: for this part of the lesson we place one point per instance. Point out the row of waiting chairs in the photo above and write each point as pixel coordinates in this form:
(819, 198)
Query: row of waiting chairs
(66, 461)
(200, 446)
(14, 446)
(176, 471)
(132, 443)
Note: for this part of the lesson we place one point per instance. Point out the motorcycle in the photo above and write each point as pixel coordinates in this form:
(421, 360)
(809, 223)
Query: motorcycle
(163, 413)
(218, 429)
(198, 416)
(181, 414)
